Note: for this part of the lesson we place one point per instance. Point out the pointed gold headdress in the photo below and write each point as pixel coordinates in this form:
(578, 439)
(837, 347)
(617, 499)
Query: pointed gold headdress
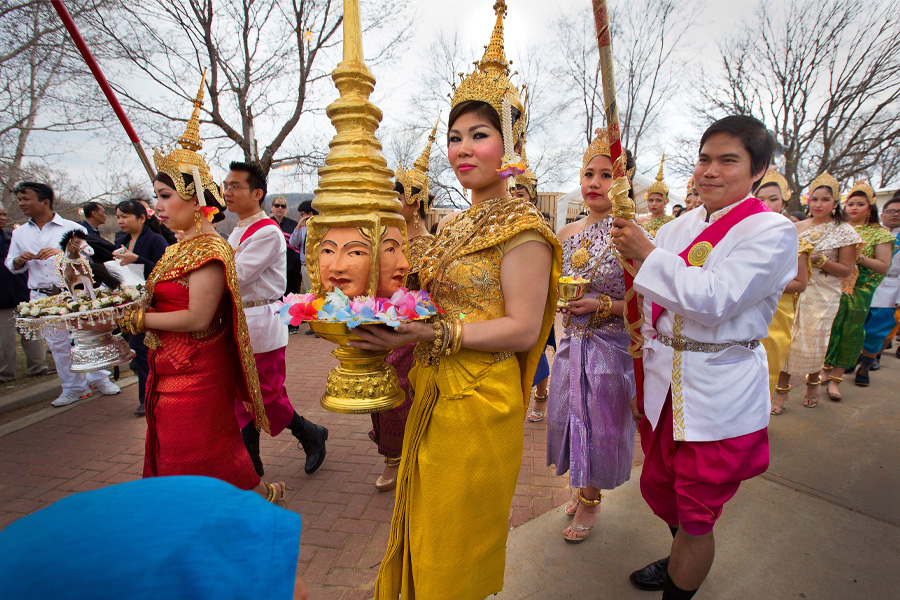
(659, 186)
(527, 178)
(186, 161)
(489, 83)
(864, 187)
(417, 177)
(826, 180)
(774, 177)
(599, 145)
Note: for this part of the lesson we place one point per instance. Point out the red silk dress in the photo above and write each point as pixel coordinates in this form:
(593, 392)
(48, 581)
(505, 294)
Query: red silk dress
(194, 378)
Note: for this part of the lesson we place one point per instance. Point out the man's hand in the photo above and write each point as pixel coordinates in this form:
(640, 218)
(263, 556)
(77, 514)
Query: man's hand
(22, 259)
(302, 222)
(630, 240)
(636, 414)
(46, 253)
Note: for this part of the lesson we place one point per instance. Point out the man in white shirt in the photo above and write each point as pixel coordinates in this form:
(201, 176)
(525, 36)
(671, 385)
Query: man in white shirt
(881, 319)
(711, 284)
(33, 250)
(260, 257)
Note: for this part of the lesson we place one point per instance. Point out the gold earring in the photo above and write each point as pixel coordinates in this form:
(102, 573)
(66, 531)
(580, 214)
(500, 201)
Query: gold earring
(197, 221)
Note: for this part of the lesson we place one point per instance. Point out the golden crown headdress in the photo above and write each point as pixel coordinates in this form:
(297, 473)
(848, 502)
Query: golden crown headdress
(864, 187)
(599, 145)
(527, 178)
(659, 186)
(186, 160)
(489, 83)
(774, 177)
(417, 176)
(826, 180)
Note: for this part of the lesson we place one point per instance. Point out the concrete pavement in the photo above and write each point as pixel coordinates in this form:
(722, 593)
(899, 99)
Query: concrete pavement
(822, 523)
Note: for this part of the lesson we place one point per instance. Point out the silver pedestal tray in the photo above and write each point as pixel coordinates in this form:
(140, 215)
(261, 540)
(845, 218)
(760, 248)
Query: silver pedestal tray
(95, 346)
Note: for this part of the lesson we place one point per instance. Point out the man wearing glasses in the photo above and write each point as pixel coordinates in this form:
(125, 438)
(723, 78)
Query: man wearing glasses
(294, 263)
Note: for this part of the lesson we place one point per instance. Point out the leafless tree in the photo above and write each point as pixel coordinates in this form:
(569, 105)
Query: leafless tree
(647, 68)
(825, 76)
(40, 73)
(266, 59)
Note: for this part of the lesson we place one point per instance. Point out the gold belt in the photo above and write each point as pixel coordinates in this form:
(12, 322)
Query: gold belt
(214, 328)
(255, 303)
(683, 344)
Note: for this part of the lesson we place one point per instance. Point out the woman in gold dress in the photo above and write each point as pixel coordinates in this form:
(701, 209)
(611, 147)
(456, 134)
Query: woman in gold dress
(774, 190)
(834, 254)
(657, 198)
(493, 269)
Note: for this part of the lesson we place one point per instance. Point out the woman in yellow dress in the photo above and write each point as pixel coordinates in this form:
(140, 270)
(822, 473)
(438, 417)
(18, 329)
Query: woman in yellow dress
(657, 198)
(774, 190)
(493, 269)
(834, 254)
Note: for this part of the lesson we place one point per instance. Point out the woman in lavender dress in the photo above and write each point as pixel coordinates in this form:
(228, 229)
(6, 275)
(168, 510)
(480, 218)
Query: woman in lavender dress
(590, 430)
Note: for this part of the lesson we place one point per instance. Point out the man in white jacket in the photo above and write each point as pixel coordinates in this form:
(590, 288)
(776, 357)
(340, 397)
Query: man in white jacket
(711, 282)
(260, 257)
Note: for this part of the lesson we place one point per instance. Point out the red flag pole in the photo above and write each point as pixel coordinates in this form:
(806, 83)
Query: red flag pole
(104, 85)
(622, 205)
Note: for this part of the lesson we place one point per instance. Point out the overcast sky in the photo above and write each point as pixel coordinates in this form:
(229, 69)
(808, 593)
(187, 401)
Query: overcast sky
(527, 27)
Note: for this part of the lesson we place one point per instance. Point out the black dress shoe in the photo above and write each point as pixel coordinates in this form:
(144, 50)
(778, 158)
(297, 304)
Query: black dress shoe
(651, 578)
(312, 439)
(139, 411)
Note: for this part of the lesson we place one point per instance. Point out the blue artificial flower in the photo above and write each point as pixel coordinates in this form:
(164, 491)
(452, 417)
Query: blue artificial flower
(389, 317)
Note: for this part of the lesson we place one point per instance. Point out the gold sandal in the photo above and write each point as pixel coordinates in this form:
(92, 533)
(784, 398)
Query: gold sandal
(812, 401)
(536, 416)
(273, 496)
(578, 529)
(835, 397)
(386, 485)
(777, 409)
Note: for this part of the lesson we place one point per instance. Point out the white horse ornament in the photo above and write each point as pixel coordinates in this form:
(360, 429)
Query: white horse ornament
(73, 266)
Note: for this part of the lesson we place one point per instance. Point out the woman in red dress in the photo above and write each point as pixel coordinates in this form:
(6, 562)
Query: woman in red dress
(200, 354)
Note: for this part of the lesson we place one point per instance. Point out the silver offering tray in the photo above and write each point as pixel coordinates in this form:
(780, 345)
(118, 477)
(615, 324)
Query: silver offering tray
(92, 330)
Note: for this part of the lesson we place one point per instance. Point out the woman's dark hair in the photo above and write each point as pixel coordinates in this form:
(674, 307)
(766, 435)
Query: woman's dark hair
(133, 207)
(757, 141)
(43, 191)
(799, 215)
(630, 163)
(400, 189)
(838, 213)
(873, 208)
(482, 110)
(207, 196)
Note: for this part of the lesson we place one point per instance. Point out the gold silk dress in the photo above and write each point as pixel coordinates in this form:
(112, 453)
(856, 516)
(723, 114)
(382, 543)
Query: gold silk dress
(778, 343)
(653, 226)
(462, 449)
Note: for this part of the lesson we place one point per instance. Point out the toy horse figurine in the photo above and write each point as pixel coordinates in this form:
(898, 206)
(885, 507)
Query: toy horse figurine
(74, 266)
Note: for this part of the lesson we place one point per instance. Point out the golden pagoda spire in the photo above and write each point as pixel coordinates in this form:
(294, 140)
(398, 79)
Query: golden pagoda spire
(190, 139)
(494, 60)
(355, 178)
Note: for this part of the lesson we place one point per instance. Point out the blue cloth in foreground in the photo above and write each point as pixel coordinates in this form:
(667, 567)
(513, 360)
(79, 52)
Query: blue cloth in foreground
(155, 538)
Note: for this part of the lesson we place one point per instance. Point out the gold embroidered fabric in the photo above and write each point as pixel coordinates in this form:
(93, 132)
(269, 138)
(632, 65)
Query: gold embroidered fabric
(189, 255)
(677, 376)
(461, 267)
(653, 226)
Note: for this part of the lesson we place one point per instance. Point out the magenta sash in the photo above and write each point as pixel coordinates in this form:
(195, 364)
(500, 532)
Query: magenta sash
(256, 227)
(696, 252)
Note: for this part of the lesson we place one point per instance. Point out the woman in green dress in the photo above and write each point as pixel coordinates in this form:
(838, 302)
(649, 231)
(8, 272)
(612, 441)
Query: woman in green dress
(873, 261)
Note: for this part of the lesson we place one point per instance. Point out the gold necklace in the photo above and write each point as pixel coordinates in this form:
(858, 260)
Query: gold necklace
(582, 256)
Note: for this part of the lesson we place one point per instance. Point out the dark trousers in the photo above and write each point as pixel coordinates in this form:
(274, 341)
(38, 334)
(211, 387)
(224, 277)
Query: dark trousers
(139, 363)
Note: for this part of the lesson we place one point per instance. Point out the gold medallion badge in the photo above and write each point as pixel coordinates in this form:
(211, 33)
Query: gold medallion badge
(580, 258)
(699, 252)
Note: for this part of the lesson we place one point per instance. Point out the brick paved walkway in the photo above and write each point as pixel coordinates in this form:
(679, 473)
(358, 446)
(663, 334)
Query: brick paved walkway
(345, 520)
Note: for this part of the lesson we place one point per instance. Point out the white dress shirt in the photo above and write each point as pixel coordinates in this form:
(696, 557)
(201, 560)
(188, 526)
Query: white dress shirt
(887, 294)
(731, 298)
(261, 272)
(31, 238)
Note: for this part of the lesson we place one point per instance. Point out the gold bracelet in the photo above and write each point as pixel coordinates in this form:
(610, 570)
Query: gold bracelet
(820, 262)
(457, 338)
(446, 341)
(139, 320)
(438, 339)
(605, 307)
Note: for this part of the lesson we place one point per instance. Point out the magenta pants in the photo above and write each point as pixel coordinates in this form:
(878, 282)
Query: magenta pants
(271, 369)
